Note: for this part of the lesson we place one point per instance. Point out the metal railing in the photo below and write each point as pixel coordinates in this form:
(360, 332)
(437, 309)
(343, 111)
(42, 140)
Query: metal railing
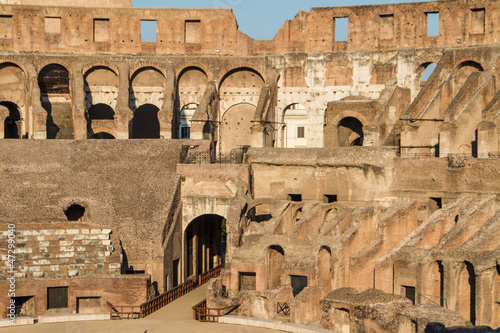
(204, 314)
(441, 301)
(206, 157)
(124, 312)
(283, 308)
(213, 273)
(160, 301)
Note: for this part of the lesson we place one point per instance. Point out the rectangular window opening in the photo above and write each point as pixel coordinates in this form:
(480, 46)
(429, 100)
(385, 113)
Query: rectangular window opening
(192, 31)
(301, 132)
(409, 292)
(101, 30)
(185, 132)
(477, 21)
(341, 29)
(329, 198)
(57, 298)
(295, 197)
(25, 306)
(6, 26)
(148, 31)
(247, 280)
(387, 26)
(52, 25)
(432, 24)
(299, 282)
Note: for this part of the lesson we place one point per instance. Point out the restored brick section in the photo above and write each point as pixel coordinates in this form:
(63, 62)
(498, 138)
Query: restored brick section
(130, 290)
(60, 250)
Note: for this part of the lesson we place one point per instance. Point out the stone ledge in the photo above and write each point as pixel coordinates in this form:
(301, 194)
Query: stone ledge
(19, 322)
(73, 317)
(270, 324)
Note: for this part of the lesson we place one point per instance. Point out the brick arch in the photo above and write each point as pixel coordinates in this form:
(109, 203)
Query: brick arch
(232, 106)
(108, 130)
(90, 66)
(241, 66)
(18, 64)
(426, 60)
(192, 65)
(137, 68)
(66, 66)
(459, 63)
(353, 114)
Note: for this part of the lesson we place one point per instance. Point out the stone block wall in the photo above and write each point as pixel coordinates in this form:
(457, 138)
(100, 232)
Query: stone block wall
(58, 251)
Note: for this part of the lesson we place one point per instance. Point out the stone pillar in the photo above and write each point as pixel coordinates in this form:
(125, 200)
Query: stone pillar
(487, 139)
(166, 114)
(4, 113)
(39, 113)
(485, 298)
(78, 100)
(446, 138)
(450, 284)
(370, 136)
(258, 136)
(123, 114)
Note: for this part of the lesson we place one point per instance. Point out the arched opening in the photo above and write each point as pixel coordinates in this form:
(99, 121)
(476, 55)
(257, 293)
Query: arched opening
(324, 270)
(297, 215)
(185, 116)
(54, 79)
(275, 258)
(293, 127)
(147, 86)
(145, 124)
(260, 213)
(425, 71)
(75, 212)
(102, 135)
(462, 73)
(350, 132)
(11, 130)
(205, 244)
(99, 115)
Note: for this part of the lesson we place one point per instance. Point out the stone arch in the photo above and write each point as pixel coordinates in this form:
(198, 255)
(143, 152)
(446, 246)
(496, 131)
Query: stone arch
(191, 85)
(145, 124)
(101, 85)
(55, 97)
(100, 64)
(462, 72)
(15, 63)
(204, 239)
(294, 126)
(147, 86)
(260, 212)
(424, 71)
(235, 128)
(104, 133)
(13, 95)
(243, 67)
(324, 268)
(11, 116)
(138, 68)
(349, 132)
(274, 262)
(330, 214)
(297, 215)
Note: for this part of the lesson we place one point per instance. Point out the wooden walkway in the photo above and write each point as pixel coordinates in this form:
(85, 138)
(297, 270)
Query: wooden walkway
(174, 317)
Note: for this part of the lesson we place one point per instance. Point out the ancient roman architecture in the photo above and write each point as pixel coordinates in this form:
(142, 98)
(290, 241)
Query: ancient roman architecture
(332, 177)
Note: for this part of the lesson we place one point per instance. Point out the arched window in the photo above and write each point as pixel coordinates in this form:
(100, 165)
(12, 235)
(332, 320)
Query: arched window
(350, 132)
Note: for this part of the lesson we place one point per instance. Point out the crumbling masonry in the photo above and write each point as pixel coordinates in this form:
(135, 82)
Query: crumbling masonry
(361, 192)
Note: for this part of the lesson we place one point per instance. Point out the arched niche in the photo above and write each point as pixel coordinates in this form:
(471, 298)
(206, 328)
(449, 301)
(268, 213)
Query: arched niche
(101, 87)
(145, 124)
(462, 73)
(324, 269)
(350, 132)
(13, 94)
(147, 86)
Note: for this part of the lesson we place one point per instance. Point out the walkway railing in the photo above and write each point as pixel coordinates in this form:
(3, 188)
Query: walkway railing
(147, 308)
(204, 314)
(283, 308)
(124, 312)
(213, 273)
(160, 301)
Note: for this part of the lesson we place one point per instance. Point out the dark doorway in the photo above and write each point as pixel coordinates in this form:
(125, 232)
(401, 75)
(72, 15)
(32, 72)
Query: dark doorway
(11, 130)
(205, 244)
(145, 124)
(299, 282)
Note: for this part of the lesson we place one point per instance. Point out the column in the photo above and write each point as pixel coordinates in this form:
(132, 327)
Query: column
(78, 100)
(123, 114)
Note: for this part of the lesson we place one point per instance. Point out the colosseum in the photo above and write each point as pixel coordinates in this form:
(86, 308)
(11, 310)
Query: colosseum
(319, 177)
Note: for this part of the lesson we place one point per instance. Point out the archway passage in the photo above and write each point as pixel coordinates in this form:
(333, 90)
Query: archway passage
(54, 79)
(205, 244)
(350, 132)
(145, 124)
(102, 135)
(11, 130)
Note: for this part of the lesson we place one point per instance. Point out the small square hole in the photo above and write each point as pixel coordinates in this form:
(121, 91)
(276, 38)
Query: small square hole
(295, 197)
